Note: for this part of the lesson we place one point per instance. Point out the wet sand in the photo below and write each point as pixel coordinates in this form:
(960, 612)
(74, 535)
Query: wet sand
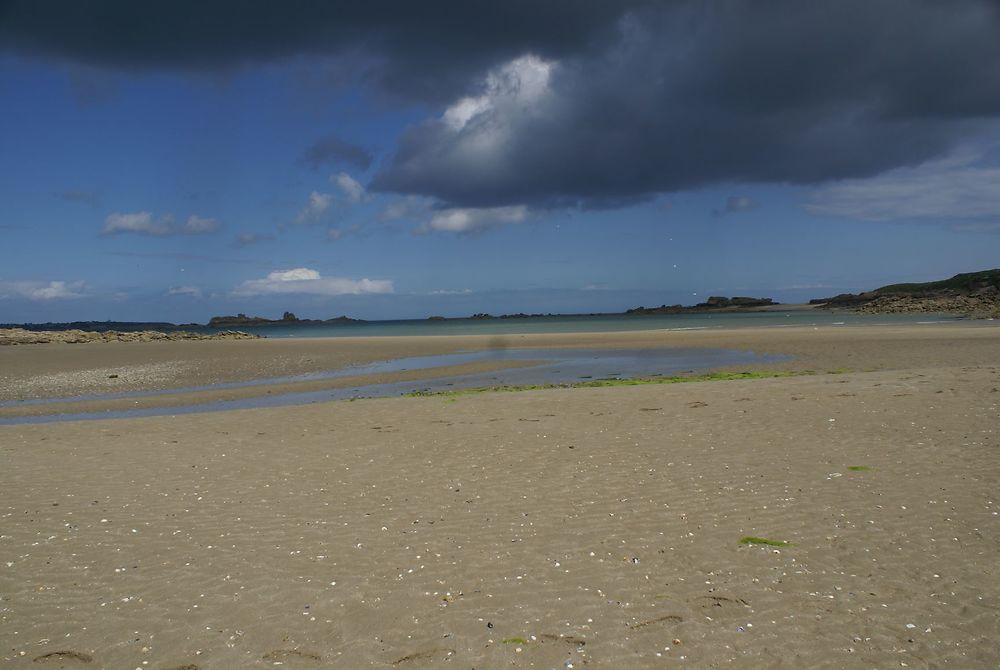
(558, 528)
(57, 370)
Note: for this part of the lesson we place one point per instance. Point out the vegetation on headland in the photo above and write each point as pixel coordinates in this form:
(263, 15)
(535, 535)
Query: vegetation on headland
(966, 281)
(972, 293)
(601, 383)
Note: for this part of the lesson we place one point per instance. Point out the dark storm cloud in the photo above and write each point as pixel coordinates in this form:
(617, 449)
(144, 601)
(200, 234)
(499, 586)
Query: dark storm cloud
(617, 102)
(425, 50)
(332, 150)
(692, 96)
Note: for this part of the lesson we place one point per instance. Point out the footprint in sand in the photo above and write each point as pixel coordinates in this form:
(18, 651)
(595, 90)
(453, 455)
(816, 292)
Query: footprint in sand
(720, 601)
(670, 618)
(188, 666)
(437, 652)
(568, 639)
(63, 658)
(285, 655)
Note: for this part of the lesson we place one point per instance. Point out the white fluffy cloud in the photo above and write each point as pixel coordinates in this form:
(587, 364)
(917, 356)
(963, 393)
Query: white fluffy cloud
(192, 291)
(314, 210)
(352, 189)
(960, 190)
(467, 220)
(41, 290)
(403, 208)
(138, 222)
(247, 239)
(143, 223)
(310, 282)
(451, 291)
(510, 89)
(196, 225)
(475, 140)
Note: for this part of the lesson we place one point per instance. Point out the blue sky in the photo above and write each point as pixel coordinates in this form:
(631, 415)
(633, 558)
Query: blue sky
(535, 176)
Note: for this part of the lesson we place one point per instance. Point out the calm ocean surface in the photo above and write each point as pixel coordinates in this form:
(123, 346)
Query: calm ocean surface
(590, 324)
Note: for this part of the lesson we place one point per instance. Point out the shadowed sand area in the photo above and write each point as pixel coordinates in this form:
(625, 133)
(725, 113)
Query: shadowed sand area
(558, 528)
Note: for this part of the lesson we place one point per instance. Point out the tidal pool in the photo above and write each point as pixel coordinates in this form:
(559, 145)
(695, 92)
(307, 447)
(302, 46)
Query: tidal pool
(557, 366)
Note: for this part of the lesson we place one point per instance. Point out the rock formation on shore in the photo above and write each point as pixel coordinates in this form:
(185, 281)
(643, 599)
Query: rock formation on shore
(21, 336)
(972, 293)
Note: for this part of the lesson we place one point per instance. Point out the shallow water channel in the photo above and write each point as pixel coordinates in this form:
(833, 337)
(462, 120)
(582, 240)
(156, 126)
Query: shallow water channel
(542, 366)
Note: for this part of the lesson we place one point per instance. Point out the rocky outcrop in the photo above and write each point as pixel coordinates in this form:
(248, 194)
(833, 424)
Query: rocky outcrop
(982, 306)
(241, 319)
(975, 294)
(10, 336)
(718, 301)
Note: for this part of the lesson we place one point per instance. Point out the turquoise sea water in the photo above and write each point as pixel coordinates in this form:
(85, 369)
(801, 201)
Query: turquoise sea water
(590, 324)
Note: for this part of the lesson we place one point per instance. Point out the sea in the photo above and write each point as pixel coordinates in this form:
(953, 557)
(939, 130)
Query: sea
(591, 323)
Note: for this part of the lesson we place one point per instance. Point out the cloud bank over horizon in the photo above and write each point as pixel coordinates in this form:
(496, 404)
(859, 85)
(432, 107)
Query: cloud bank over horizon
(309, 282)
(144, 223)
(42, 290)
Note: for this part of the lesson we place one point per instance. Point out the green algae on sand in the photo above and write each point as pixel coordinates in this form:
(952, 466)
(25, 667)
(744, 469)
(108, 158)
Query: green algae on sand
(751, 540)
(602, 383)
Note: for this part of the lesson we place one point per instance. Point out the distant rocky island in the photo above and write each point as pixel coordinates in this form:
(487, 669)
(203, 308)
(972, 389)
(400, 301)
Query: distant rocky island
(975, 294)
(714, 303)
(520, 315)
(287, 318)
(102, 326)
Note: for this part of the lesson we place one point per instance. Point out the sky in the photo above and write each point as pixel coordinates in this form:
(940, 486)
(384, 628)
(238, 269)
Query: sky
(171, 161)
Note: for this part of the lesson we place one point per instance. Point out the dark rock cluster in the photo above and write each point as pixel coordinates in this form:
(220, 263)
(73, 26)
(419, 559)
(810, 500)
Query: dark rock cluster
(10, 336)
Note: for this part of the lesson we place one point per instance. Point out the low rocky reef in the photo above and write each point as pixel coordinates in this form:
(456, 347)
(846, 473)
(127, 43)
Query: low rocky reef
(9, 336)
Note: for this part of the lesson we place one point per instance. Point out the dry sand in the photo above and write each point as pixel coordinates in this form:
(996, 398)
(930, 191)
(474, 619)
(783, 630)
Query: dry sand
(559, 528)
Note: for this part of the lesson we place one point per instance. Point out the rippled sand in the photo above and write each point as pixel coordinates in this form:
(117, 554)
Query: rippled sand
(562, 528)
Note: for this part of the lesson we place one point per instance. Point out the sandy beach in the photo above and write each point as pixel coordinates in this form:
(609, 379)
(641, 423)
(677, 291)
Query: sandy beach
(551, 529)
